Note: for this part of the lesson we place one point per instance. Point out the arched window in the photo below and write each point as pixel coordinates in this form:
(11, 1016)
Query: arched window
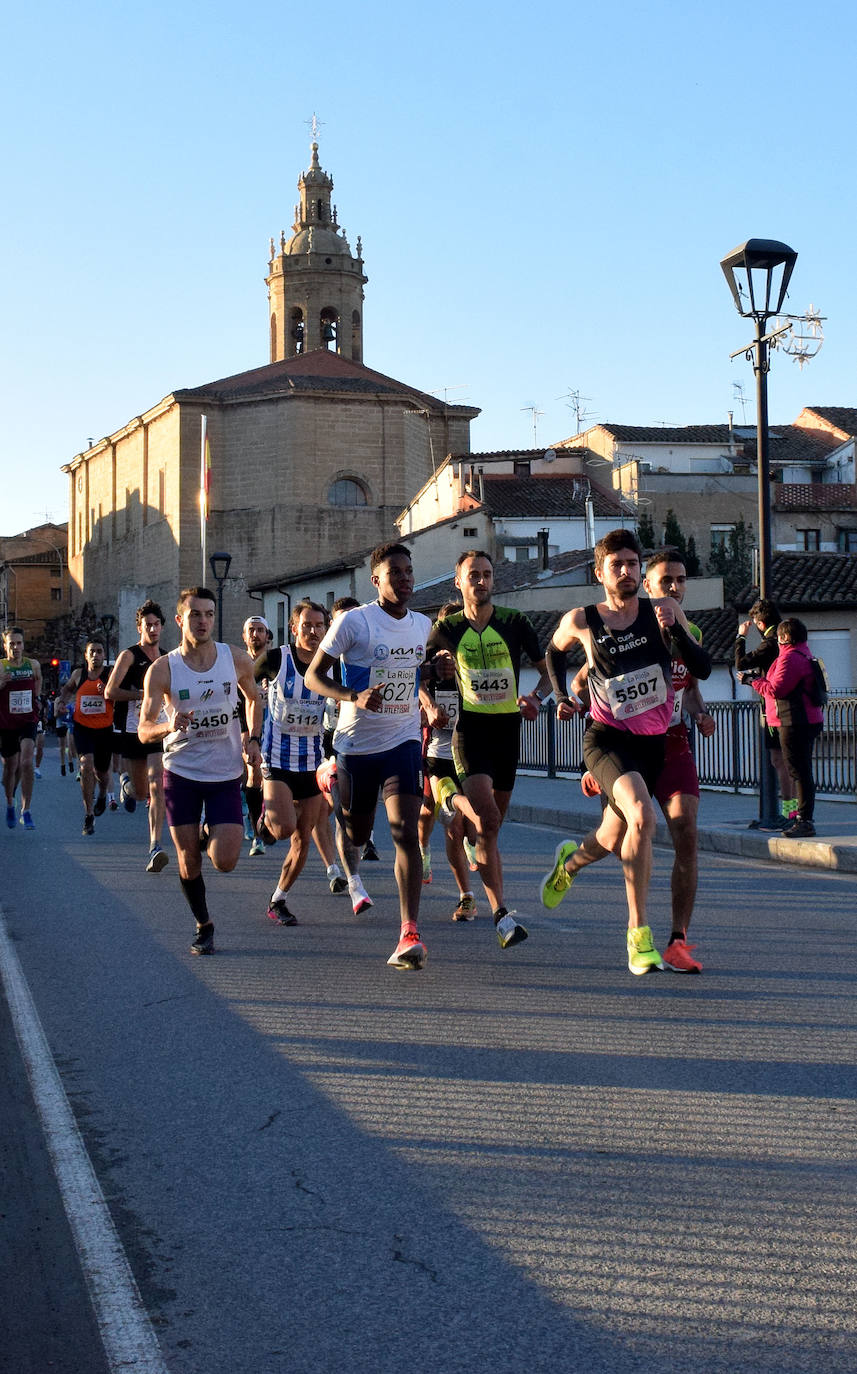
(345, 491)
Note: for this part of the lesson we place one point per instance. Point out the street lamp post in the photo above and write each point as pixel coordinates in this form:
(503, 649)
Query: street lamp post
(219, 564)
(758, 273)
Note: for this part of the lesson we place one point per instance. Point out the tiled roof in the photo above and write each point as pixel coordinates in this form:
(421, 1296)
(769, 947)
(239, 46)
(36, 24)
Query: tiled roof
(788, 443)
(320, 370)
(810, 496)
(508, 576)
(719, 628)
(843, 417)
(540, 497)
(808, 580)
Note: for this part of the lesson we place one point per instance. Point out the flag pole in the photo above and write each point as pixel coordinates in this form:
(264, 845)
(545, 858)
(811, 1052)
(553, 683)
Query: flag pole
(203, 494)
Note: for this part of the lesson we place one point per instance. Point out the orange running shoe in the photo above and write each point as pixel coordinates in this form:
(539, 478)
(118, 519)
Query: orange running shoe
(410, 953)
(678, 958)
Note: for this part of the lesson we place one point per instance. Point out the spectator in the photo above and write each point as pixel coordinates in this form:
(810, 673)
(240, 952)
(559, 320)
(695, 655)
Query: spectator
(786, 690)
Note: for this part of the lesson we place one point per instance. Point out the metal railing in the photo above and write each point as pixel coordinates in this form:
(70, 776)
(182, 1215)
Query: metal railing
(728, 759)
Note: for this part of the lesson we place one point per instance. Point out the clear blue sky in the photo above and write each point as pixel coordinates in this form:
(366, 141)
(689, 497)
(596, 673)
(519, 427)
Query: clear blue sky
(544, 194)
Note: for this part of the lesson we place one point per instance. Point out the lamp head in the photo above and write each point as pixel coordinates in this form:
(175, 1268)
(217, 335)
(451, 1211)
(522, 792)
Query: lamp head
(758, 273)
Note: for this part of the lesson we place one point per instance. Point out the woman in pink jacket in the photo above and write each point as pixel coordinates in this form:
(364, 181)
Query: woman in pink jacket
(788, 705)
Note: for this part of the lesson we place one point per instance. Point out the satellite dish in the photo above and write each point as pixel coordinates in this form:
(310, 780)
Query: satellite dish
(550, 455)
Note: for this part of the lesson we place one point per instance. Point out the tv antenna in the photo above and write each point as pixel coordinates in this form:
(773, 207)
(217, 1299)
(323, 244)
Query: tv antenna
(739, 398)
(535, 413)
(459, 386)
(574, 401)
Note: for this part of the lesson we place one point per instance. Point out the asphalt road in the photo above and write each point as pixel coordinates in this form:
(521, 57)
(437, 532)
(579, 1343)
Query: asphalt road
(513, 1161)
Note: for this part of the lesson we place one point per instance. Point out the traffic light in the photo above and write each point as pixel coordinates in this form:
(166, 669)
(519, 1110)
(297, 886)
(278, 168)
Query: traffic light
(55, 663)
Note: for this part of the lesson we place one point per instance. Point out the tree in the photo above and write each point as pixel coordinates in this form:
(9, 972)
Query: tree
(673, 537)
(692, 565)
(733, 559)
(646, 531)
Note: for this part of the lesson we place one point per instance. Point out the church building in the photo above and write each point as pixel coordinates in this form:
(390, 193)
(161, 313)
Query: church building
(311, 454)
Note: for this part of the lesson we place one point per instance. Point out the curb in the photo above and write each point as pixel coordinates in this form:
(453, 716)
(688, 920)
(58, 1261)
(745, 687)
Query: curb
(728, 839)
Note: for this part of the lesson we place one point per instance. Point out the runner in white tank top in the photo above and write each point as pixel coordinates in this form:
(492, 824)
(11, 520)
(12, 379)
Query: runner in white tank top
(198, 685)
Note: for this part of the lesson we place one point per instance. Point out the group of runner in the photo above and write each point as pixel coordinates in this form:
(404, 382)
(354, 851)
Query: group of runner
(427, 718)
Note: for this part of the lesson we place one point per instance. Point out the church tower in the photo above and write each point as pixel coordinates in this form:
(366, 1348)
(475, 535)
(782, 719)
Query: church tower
(315, 286)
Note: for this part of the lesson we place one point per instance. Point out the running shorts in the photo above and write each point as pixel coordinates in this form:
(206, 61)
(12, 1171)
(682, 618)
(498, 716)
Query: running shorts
(185, 798)
(488, 744)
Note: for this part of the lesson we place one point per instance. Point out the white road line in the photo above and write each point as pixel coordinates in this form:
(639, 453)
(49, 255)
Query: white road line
(128, 1338)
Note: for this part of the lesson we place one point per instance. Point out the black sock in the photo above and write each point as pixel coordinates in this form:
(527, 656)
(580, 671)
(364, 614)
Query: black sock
(499, 914)
(253, 797)
(194, 891)
(677, 935)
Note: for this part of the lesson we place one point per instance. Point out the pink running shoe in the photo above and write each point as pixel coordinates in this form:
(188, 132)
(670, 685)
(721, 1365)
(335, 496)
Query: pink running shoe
(410, 953)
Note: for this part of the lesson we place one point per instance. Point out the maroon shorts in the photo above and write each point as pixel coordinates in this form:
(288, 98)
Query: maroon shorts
(678, 774)
(184, 800)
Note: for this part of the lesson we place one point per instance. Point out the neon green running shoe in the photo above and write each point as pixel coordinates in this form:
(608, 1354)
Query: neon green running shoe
(642, 955)
(555, 884)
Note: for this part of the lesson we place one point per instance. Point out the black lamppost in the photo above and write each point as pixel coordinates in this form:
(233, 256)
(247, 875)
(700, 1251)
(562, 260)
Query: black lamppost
(219, 564)
(758, 273)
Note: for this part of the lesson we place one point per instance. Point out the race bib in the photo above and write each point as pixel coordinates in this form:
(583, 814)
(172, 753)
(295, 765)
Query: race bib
(630, 694)
(21, 702)
(676, 715)
(132, 720)
(213, 725)
(448, 702)
(91, 706)
(488, 688)
(398, 687)
(302, 718)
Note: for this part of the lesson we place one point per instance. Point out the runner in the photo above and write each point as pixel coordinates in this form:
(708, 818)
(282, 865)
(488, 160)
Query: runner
(198, 685)
(142, 771)
(63, 719)
(486, 642)
(676, 788)
(292, 750)
(20, 685)
(439, 699)
(629, 646)
(377, 738)
(328, 781)
(92, 729)
(256, 637)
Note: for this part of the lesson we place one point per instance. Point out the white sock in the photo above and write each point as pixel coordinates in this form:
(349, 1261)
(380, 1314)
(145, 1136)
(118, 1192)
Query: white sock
(279, 895)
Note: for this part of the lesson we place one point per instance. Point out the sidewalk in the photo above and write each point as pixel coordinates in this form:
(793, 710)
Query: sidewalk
(724, 819)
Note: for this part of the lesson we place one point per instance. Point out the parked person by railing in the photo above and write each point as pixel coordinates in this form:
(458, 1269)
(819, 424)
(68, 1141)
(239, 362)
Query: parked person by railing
(749, 666)
(787, 692)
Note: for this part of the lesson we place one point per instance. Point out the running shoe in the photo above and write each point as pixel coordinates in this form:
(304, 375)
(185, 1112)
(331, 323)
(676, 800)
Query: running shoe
(279, 912)
(466, 909)
(677, 958)
(509, 931)
(336, 882)
(446, 808)
(470, 853)
(157, 859)
(257, 847)
(360, 899)
(10, 817)
(89, 825)
(370, 853)
(410, 953)
(555, 884)
(427, 875)
(799, 830)
(27, 821)
(112, 802)
(642, 955)
(204, 942)
(126, 793)
(100, 805)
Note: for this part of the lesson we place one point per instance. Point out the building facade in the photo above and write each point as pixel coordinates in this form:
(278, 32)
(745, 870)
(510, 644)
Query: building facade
(312, 454)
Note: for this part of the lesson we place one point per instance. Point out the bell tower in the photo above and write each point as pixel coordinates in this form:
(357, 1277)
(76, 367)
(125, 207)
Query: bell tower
(315, 286)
